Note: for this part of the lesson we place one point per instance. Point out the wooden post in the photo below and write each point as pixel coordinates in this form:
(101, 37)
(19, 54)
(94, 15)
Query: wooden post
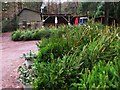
(56, 21)
(69, 20)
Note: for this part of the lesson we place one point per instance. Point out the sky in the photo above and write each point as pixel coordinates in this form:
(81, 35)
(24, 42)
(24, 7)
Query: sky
(62, 0)
(81, 0)
(59, 0)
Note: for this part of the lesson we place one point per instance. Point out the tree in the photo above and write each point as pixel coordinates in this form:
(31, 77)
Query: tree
(107, 12)
(32, 5)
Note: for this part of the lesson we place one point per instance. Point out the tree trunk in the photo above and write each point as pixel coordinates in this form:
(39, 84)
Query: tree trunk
(60, 7)
(106, 13)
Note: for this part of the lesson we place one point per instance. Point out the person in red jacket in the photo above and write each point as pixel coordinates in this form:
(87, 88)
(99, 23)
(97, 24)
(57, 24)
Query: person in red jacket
(76, 21)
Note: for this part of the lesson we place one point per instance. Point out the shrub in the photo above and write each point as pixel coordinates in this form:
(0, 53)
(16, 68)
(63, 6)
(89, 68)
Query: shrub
(102, 75)
(56, 75)
(30, 56)
(26, 76)
(10, 25)
(73, 56)
(64, 43)
(56, 46)
(37, 34)
(16, 36)
(69, 73)
(27, 35)
(76, 53)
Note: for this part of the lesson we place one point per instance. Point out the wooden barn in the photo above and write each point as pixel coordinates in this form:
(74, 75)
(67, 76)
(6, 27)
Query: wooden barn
(28, 18)
(33, 19)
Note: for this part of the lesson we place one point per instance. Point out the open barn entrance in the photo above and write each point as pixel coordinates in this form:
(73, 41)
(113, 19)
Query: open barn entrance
(50, 19)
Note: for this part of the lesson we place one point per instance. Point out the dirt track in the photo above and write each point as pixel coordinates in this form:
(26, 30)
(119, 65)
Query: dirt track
(10, 60)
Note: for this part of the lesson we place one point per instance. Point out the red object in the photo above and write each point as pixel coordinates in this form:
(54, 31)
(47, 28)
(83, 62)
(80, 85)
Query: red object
(76, 21)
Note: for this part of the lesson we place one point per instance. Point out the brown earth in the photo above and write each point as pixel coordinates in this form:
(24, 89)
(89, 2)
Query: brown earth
(10, 59)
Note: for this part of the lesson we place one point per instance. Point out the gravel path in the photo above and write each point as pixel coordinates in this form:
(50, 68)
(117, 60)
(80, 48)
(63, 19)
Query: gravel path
(10, 59)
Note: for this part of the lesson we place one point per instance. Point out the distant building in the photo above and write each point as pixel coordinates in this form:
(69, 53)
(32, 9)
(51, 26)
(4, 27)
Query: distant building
(28, 18)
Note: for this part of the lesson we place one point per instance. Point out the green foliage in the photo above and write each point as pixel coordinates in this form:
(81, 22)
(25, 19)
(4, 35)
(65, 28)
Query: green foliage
(36, 34)
(57, 75)
(10, 25)
(89, 6)
(56, 46)
(72, 38)
(16, 36)
(69, 73)
(78, 57)
(29, 34)
(103, 75)
(26, 76)
(78, 54)
(29, 56)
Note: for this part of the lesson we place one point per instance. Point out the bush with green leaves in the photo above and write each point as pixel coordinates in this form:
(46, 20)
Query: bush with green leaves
(103, 75)
(72, 58)
(69, 73)
(28, 35)
(57, 75)
(30, 56)
(99, 42)
(57, 47)
(36, 34)
(16, 36)
(26, 76)
(63, 61)
(10, 25)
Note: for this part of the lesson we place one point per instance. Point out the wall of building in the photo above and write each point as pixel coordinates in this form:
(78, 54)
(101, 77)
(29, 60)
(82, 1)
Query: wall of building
(29, 16)
(32, 19)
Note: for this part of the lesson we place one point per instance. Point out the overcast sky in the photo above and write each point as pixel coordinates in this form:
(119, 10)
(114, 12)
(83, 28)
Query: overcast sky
(59, 0)
(81, 0)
